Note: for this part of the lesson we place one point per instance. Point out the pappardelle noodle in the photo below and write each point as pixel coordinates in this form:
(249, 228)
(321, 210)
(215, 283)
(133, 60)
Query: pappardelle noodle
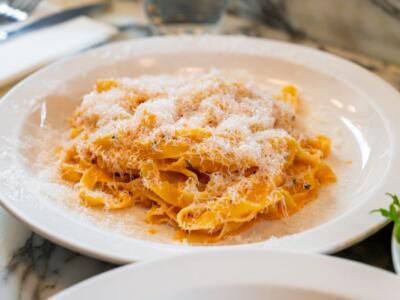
(203, 152)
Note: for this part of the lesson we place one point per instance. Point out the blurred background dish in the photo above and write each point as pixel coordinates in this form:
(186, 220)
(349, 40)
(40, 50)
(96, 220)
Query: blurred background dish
(180, 16)
(240, 275)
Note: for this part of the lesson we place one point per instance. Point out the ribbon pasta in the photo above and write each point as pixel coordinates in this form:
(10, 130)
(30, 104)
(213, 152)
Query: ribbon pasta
(206, 180)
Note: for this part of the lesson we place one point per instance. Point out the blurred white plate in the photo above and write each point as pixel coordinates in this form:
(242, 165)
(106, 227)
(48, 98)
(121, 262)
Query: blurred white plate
(235, 275)
(362, 112)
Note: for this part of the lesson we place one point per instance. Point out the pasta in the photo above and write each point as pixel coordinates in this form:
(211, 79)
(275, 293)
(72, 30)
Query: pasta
(203, 152)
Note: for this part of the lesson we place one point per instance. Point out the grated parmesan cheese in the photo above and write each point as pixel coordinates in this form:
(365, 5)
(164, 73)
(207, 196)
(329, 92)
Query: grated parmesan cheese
(238, 116)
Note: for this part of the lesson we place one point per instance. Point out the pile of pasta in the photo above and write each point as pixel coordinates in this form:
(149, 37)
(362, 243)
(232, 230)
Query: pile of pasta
(205, 153)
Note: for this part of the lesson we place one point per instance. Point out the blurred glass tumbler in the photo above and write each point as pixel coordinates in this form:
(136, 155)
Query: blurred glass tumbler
(184, 16)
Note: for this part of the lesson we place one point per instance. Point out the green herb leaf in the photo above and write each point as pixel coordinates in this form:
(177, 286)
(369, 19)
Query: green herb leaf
(189, 164)
(392, 214)
(384, 212)
(396, 200)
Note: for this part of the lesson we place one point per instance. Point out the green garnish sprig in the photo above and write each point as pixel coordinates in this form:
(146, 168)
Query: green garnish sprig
(392, 214)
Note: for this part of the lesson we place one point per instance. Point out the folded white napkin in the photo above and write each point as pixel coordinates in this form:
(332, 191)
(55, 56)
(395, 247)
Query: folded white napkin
(28, 52)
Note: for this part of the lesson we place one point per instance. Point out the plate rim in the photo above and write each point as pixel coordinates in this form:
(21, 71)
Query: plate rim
(214, 261)
(226, 45)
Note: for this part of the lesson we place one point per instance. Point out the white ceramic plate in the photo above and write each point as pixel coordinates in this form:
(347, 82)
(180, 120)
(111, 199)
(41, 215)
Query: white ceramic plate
(234, 275)
(358, 108)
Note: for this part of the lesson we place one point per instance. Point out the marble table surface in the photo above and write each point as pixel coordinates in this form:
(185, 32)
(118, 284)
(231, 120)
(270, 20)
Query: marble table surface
(32, 267)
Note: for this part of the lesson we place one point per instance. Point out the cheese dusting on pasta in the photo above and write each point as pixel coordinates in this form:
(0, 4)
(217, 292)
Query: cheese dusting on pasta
(203, 152)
